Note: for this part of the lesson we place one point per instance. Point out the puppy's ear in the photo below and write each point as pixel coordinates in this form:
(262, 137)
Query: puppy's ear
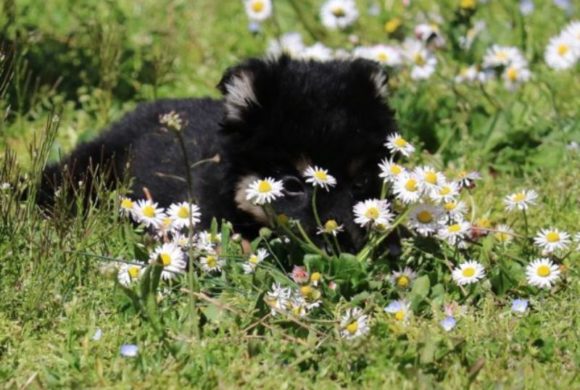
(239, 87)
(372, 74)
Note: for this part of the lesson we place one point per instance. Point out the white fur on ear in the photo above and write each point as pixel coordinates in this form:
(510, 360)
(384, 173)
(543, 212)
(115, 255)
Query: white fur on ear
(239, 95)
(379, 79)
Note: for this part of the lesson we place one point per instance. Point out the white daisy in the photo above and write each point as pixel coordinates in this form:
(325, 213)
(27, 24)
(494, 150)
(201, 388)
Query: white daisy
(396, 143)
(128, 273)
(561, 52)
(338, 14)
(421, 60)
(455, 210)
(319, 177)
(278, 298)
(542, 273)
(501, 56)
(572, 31)
(372, 212)
(171, 257)
(383, 54)
(424, 218)
(429, 178)
(147, 213)
(330, 227)
(254, 259)
(446, 192)
(127, 207)
(390, 170)
(316, 52)
(166, 226)
(515, 74)
(471, 74)
(258, 10)
(520, 200)
(552, 239)
(401, 310)
(211, 263)
(407, 188)
(354, 324)
(403, 279)
(455, 233)
(289, 43)
(468, 273)
(264, 191)
(184, 214)
(503, 233)
(206, 241)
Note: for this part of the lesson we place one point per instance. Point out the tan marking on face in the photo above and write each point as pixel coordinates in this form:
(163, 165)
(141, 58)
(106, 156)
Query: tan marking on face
(302, 163)
(244, 204)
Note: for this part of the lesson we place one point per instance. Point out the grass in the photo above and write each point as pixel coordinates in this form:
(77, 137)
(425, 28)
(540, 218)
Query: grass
(75, 68)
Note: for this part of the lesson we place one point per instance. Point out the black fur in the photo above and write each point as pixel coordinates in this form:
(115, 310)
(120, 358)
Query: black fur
(330, 114)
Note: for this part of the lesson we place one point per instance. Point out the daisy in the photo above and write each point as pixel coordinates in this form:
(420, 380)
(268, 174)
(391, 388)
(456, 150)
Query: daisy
(354, 324)
(330, 227)
(390, 170)
(515, 74)
(404, 278)
(289, 43)
(407, 188)
(424, 218)
(311, 295)
(254, 259)
(422, 61)
(520, 200)
(171, 257)
(446, 192)
(429, 178)
(401, 309)
(561, 52)
(128, 273)
(503, 233)
(552, 239)
(468, 273)
(319, 177)
(207, 241)
(501, 56)
(372, 212)
(455, 233)
(471, 74)
(396, 143)
(338, 14)
(448, 323)
(264, 191)
(572, 31)
(297, 306)
(385, 55)
(455, 210)
(211, 263)
(542, 273)
(316, 52)
(184, 214)
(278, 298)
(258, 10)
(166, 226)
(467, 179)
(147, 213)
(127, 207)
(519, 305)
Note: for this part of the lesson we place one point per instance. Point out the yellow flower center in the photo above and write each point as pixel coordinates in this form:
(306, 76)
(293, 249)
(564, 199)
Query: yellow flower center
(400, 142)
(419, 59)
(483, 223)
(372, 213)
(450, 206)
(183, 212)
(431, 177)
(501, 56)
(330, 226)
(411, 185)
(563, 49)
(383, 57)
(512, 74)
(543, 271)
(424, 216)
(315, 277)
(454, 228)
(254, 259)
(396, 169)
(468, 4)
(519, 197)
(552, 237)
(165, 259)
(149, 211)
(352, 327)
(468, 272)
(258, 6)
(282, 219)
(306, 291)
(392, 25)
(403, 281)
(400, 315)
(166, 222)
(127, 203)
(321, 175)
(445, 191)
(338, 12)
(264, 186)
(211, 261)
(133, 272)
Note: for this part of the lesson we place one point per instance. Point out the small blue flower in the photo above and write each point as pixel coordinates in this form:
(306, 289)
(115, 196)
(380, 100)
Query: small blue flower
(448, 323)
(374, 9)
(98, 334)
(519, 305)
(129, 350)
(526, 7)
(254, 27)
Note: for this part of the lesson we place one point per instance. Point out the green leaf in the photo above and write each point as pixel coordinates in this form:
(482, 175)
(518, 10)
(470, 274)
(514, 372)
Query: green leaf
(420, 291)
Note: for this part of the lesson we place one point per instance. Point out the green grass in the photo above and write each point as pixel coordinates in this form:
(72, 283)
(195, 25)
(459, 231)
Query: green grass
(89, 62)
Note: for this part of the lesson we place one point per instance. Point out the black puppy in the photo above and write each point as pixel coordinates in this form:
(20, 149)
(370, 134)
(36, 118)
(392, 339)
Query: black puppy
(278, 116)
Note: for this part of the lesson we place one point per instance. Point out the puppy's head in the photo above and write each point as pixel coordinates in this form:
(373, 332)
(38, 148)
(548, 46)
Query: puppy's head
(283, 115)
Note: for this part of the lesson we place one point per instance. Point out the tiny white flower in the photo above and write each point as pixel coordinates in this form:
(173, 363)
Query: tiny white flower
(455, 233)
(147, 213)
(502, 56)
(520, 200)
(471, 74)
(424, 218)
(316, 52)
(572, 31)
(330, 227)
(468, 273)
(250, 265)
(396, 143)
(383, 54)
(258, 10)
(129, 350)
(338, 14)
(372, 212)
(503, 233)
(542, 273)
(206, 241)
(184, 214)
(211, 263)
(515, 74)
(5, 186)
(552, 239)
(446, 192)
(264, 191)
(455, 210)
(319, 177)
(97, 335)
(171, 258)
(127, 207)
(429, 178)
(407, 188)
(390, 170)
(401, 310)
(403, 279)
(448, 323)
(289, 43)
(562, 52)
(354, 324)
(278, 298)
(519, 306)
(421, 60)
(128, 273)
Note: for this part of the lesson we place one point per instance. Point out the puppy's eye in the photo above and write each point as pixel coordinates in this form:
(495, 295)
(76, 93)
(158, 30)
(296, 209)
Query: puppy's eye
(293, 186)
